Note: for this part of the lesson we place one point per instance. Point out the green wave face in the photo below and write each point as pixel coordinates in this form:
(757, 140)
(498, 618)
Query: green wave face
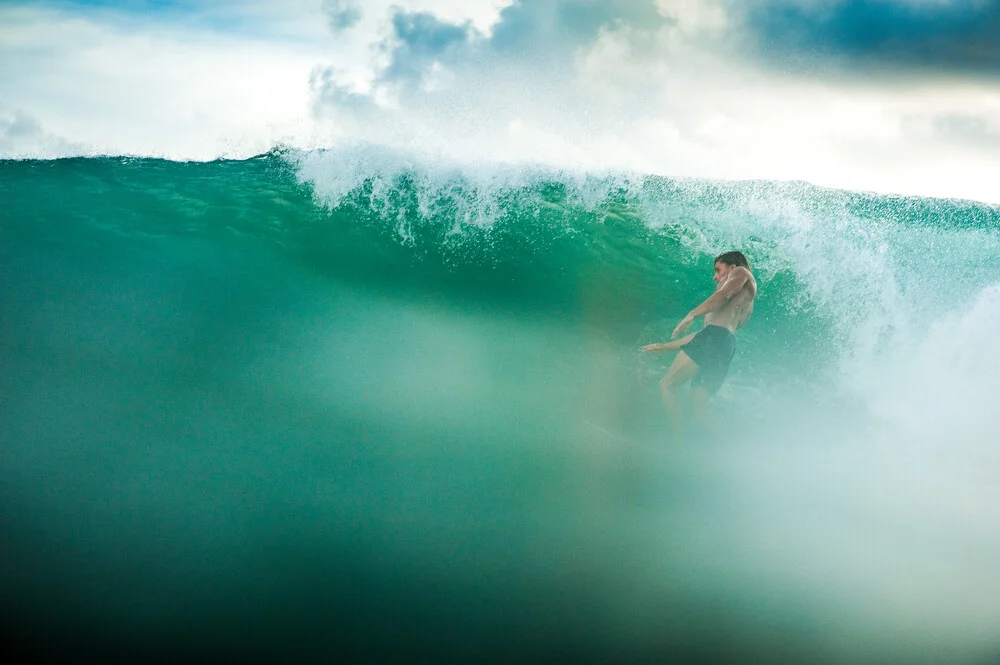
(358, 370)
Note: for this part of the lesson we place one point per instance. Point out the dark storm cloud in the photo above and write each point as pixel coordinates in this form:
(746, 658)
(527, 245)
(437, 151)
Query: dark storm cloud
(909, 34)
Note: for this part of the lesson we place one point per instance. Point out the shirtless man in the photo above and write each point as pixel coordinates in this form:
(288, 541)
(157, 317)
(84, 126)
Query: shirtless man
(705, 356)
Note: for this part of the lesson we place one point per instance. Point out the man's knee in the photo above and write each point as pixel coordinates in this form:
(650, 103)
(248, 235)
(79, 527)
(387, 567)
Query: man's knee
(669, 384)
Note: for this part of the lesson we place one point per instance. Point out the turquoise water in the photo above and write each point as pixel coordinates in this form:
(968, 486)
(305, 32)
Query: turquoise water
(358, 402)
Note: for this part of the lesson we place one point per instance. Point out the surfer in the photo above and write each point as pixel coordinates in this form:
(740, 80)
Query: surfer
(704, 356)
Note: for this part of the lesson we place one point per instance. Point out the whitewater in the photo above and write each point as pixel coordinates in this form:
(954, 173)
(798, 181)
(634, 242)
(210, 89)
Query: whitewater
(365, 402)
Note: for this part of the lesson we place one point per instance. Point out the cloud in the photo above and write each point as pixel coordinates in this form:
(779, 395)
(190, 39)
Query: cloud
(19, 127)
(532, 31)
(667, 87)
(886, 35)
(342, 14)
(162, 90)
(555, 26)
(420, 41)
(978, 133)
(22, 135)
(884, 95)
(544, 38)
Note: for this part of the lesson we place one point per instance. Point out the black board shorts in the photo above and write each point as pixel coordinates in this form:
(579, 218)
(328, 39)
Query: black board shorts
(711, 350)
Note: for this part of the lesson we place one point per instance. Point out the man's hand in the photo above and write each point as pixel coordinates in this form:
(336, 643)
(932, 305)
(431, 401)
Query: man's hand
(683, 326)
(655, 348)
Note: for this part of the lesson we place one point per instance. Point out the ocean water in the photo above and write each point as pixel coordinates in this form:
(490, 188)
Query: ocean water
(362, 404)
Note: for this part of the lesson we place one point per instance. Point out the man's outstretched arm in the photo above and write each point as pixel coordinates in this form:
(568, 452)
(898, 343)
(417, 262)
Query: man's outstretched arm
(667, 346)
(733, 284)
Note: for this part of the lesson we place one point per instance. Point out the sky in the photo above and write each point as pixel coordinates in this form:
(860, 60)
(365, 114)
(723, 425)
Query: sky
(897, 96)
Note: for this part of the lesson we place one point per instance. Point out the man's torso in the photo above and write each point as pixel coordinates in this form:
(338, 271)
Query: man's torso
(737, 311)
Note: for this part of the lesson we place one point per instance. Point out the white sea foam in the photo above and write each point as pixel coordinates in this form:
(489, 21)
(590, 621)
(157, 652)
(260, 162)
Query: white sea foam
(476, 190)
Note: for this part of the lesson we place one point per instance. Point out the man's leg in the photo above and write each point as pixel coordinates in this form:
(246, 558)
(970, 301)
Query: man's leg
(681, 370)
(699, 406)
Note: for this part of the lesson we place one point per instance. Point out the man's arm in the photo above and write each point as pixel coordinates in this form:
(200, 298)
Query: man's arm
(667, 346)
(734, 284)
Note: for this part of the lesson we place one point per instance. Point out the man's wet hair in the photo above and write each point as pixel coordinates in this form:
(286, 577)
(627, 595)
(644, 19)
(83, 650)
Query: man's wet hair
(733, 258)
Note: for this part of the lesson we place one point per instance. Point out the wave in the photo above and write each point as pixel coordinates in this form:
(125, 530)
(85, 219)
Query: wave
(363, 356)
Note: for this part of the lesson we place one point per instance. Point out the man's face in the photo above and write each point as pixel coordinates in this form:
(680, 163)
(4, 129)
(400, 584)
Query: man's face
(722, 271)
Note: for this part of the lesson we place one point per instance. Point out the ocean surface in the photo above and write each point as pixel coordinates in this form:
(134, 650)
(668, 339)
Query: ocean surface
(359, 403)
